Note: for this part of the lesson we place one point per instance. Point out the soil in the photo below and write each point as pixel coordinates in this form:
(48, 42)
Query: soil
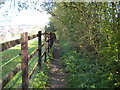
(56, 74)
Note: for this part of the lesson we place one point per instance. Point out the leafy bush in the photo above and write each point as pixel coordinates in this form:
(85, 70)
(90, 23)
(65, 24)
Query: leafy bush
(92, 29)
(83, 72)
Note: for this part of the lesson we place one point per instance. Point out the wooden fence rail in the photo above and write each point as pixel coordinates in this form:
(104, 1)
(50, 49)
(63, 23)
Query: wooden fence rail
(48, 42)
(13, 43)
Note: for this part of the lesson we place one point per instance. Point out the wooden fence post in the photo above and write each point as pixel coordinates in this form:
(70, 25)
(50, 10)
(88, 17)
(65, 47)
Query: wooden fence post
(45, 49)
(24, 57)
(48, 42)
(52, 38)
(39, 49)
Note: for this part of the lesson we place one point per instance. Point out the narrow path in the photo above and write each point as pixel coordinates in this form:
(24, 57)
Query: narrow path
(57, 76)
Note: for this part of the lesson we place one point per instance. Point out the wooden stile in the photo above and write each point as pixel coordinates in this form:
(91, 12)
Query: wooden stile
(24, 56)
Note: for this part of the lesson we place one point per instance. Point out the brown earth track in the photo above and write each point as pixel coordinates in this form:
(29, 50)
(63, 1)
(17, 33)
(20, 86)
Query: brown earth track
(56, 74)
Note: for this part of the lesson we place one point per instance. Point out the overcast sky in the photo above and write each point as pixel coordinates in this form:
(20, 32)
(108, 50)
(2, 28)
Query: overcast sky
(31, 17)
(27, 17)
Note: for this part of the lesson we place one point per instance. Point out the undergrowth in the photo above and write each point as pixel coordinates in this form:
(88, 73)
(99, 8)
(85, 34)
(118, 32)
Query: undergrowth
(40, 78)
(82, 72)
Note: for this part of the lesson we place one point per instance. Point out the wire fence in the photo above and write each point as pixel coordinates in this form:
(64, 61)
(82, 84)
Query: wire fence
(10, 60)
(14, 82)
(20, 75)
(25, 65)
(32, 62)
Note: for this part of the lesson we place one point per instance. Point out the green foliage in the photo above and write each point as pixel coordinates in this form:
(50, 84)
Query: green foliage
(40, 78)
(92, 29)
(83, 72)
(50, 27)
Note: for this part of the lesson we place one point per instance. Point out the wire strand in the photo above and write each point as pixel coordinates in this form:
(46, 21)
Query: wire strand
(16, 80)
(9, 61)
(32, 62)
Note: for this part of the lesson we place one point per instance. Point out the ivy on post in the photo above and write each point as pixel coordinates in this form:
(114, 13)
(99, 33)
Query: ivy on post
(39, 49)
(24, 57)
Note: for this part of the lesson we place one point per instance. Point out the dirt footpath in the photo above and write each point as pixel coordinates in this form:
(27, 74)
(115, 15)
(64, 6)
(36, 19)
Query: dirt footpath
(57, 76)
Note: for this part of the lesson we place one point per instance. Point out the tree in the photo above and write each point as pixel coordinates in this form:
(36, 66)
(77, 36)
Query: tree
(91, 28)
(50, 27)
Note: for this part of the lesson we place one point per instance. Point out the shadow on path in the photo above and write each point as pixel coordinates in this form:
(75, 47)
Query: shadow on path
(57, 76)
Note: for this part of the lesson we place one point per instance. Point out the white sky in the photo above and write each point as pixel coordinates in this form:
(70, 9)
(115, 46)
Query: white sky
(27, 17)
(31, 17)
